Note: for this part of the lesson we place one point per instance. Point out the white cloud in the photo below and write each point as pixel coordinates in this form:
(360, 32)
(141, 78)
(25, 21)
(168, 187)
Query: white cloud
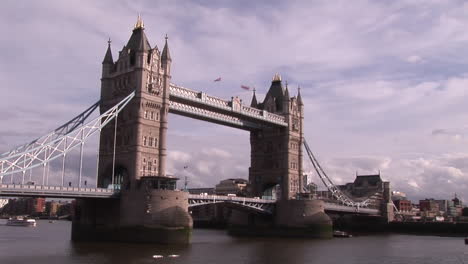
(414, 59)
(378, 78)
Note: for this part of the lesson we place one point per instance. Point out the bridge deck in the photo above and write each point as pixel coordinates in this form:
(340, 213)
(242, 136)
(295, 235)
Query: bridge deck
(194, 200)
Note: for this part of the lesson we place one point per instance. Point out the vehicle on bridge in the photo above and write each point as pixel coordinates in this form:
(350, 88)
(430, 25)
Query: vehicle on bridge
(21, 221)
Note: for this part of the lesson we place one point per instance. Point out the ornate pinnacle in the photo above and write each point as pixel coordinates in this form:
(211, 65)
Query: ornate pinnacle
(277, 77)
(139, 23)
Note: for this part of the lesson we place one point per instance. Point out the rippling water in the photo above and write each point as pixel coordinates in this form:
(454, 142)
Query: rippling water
(50, 243)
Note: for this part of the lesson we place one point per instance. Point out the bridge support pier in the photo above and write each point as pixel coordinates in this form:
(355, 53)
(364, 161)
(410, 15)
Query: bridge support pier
(304, 218)
(142, 215)
(292, 218)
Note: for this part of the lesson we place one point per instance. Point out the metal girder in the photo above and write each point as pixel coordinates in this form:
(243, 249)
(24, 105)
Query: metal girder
(56, 133)
(59, 142)
(230, 112)
(259, 205)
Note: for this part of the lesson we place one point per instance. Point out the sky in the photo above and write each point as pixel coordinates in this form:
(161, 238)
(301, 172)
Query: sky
(384, 82)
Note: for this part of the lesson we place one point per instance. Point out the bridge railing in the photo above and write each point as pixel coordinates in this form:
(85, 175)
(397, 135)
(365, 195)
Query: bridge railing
(25, 187)
(229, 198)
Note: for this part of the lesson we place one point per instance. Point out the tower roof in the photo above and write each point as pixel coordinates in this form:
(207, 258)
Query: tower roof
(276, 92)
(166, 55)
(138, 40)
(299, 98)
(254, 100)
(108, 57)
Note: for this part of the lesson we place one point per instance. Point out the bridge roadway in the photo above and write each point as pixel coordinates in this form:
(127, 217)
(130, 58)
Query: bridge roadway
(256, 204)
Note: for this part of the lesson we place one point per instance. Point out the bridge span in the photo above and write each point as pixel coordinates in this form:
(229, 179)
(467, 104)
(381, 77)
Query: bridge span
(265, 206)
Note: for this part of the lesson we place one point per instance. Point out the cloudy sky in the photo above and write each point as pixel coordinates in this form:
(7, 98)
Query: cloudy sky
(384, 82)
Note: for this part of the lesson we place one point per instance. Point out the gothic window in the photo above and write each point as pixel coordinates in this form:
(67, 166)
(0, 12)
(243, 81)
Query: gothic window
(146, 114)
(295, 124)
(151, 115)
(144, 141)
(157, 116)
(149, 165)
(150, 141)
(155, 142)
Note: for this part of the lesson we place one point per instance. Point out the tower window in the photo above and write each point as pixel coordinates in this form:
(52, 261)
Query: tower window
(146, 114)
(150, 141)
(144, 141)
(151, 115)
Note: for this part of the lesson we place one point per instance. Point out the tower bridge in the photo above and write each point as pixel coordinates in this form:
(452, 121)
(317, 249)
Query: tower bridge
(134, 199)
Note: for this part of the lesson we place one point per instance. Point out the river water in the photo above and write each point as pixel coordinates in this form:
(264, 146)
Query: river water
(50, 243)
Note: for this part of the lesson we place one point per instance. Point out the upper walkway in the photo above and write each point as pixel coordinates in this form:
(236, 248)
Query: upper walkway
(232, 113)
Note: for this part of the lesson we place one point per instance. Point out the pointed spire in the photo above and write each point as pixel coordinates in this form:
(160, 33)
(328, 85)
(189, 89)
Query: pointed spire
(277, 77)
(286, 92)
(138, 40)
(108, 57)
(254, 100)
(299, 98)
(139, 23)
(165, 53)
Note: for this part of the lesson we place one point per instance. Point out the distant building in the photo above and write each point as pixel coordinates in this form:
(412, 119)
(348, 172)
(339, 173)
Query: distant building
(443, 206)
(24, 206)
(232, 186)
(454, 207)
(403, 205)
(52, 208)
(428, 205)
(311, 187)
(364, 185)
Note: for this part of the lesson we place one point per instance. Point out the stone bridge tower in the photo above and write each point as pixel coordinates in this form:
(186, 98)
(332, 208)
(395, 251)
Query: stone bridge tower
(132, 153)
(140, 145)
(276, 153)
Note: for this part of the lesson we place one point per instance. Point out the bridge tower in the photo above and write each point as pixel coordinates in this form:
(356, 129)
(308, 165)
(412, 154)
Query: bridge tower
(132, 153)
(276, 153)
(140, 139)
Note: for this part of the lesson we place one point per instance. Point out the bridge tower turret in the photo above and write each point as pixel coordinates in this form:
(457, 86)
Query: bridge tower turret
(276, 153)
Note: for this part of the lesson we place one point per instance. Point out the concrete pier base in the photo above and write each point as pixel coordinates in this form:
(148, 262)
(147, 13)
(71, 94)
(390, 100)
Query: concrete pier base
(293, 218)
(151, 216)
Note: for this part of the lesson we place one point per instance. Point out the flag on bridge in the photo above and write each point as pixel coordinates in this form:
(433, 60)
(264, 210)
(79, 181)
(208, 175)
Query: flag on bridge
(245, 87)
(217, 80)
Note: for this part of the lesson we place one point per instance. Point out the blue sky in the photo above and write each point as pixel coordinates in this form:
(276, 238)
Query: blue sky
(384, 82)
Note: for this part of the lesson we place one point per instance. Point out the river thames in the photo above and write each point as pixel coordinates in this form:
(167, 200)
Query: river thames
(50, 243)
